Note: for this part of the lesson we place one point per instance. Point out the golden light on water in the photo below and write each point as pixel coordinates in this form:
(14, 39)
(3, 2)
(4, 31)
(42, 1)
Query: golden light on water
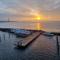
(38, 26)
(37, 17)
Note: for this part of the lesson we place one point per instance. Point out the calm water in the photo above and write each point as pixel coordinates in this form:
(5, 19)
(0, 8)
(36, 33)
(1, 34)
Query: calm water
(44, 48)
(47, 26)
(53, 26)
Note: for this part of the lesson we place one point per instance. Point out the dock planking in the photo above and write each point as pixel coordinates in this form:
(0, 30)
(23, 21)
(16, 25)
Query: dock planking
(28, 40)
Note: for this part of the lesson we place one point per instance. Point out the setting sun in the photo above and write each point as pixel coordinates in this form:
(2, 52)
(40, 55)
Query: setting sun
(40, 17)
(36, 15)
(37, 18)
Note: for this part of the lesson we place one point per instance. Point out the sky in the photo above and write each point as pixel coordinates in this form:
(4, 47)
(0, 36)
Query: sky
(29, 10)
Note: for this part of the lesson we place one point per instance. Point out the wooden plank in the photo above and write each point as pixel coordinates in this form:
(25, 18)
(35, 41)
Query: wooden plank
(28, 40)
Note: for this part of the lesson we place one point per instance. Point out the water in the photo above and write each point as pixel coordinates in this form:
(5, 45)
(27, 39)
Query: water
(52, 26)
(44, 48)
(21, 25)
(42, 25)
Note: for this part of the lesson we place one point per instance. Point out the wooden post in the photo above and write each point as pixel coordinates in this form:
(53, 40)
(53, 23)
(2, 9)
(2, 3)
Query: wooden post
(0, 38)
(57, 45)
(4, 36)
(9, 35)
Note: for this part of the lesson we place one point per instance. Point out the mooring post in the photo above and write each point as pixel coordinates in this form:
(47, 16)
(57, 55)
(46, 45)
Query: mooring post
(4, 36)
(0, 38)
(57, 45)
(9, 35)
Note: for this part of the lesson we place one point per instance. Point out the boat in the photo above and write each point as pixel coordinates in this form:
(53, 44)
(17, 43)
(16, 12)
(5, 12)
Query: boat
(21, 32)
(48, 34)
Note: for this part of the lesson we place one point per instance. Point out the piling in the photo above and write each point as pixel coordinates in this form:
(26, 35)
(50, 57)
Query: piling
(57, 45)
(4, 36)
(0, 38)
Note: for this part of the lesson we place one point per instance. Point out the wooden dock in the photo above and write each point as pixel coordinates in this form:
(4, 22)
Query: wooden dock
(28, 40)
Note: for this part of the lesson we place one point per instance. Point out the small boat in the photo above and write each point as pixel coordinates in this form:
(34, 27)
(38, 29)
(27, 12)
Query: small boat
(48, 34)
(21, 32)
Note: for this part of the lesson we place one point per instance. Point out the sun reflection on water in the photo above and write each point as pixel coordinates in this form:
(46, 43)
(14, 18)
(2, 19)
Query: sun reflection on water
(39, 26)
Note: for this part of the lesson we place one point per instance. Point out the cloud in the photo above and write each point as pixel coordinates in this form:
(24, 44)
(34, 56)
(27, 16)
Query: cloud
(2, 7)
(23, 8)
(52, 4)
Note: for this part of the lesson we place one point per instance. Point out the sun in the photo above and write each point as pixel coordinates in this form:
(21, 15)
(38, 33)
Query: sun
(36, 15)
(38, 18)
